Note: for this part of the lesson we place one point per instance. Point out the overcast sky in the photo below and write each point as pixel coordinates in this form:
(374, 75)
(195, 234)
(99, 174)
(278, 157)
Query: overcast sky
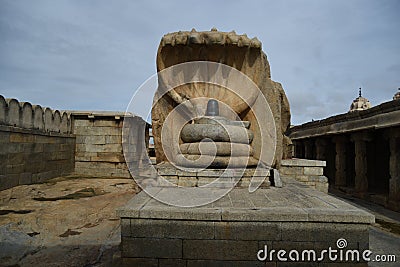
(93, 55)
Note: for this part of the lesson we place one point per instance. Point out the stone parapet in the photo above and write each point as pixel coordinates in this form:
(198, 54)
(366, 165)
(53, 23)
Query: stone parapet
(308, 172)
(33, 117)
(36, 143)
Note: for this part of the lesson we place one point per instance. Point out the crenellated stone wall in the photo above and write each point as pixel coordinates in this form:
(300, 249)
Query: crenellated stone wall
(36, 143)
(33, 117)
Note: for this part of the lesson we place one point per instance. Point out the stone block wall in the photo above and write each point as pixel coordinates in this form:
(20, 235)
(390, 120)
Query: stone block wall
(99, 149)
(231, 243)
(219, 178)
(308, 172)
(36, 143)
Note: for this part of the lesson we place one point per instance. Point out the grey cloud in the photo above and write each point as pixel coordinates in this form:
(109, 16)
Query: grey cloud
(94, 54)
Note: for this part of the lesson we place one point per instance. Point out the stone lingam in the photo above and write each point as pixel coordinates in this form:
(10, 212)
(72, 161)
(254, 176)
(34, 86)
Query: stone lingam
(216, 107)
(216, 141)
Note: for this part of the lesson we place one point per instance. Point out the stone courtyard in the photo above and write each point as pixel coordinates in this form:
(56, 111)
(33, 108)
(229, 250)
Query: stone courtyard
(47, 224)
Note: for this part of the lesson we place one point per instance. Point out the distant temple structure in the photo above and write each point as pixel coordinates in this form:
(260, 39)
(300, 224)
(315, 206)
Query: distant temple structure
(360, 103)
(396, 95)
(361, 149)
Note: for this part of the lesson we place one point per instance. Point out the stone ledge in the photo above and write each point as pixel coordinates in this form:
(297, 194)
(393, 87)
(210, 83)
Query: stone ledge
(6, 128)
(381, 116)
(292, 203)
(303, 163)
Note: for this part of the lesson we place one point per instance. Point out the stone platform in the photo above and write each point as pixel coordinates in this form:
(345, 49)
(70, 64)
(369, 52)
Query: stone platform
(232, 230)
(229, 177)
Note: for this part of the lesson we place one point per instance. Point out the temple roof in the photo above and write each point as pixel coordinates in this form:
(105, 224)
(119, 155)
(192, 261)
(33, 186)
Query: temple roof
(360, 103)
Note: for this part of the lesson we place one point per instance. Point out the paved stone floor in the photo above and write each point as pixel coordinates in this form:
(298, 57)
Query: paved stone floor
(384, 236)
(72, 222)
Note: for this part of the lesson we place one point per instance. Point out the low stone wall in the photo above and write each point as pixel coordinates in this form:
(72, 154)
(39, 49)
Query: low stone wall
(240, 178)
(36, 143)
(99, 150)
(225, 243)
(308, 172)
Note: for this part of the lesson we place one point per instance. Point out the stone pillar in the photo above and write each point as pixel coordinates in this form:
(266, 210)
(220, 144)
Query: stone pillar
(360, 163)
(340, 160)
(308, 149)
(295, 145)
(394, 165)
(298, 148)
(320, 148)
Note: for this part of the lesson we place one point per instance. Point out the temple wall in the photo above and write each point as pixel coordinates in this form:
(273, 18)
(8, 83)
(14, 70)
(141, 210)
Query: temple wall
(36, 143)
(361, 150)
(99, 150)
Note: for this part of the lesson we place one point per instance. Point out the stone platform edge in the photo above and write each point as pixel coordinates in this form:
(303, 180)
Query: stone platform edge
(137, 208)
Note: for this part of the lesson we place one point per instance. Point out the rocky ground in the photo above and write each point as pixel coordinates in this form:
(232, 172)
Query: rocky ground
(64, 222)
(71, 221)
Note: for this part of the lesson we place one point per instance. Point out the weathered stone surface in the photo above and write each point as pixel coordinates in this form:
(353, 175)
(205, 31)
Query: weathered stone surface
(230, 231)
(216, 148)
(172, 263)
(215, 263)
(142, 262)
(187, 181)
(182, 47)
(27, 116)
(170, 229)
(303, 163)
(202, 161)
(14, 245)
(313, 171)
(273, 204)
(247, 231)
(276, 178)
(219, 249)
(295, 231)
(67, 221)
(99, 147)
(218, 120)
(29, 156)
(309, 172)
(151, 248)
(228, 133)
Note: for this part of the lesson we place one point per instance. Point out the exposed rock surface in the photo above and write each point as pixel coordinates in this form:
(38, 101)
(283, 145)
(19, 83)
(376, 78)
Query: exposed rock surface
(63, 222)
(237, 51)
